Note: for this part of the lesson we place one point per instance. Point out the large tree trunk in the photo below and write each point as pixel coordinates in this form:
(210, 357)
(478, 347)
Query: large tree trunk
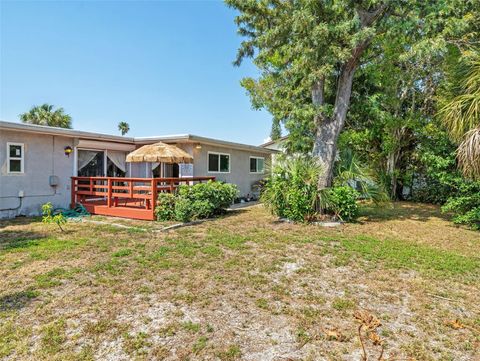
(328, 129)
(395, 155)
(392, 159)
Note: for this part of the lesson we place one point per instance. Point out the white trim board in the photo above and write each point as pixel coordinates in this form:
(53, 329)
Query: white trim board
(219, 154)
(257, 158)
(21, 159)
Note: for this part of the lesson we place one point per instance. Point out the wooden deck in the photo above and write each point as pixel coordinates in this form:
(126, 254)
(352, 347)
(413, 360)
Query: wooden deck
(125, 197)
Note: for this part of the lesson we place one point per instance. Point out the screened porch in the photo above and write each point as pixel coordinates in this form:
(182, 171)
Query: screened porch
(125, 197)
(114, 182)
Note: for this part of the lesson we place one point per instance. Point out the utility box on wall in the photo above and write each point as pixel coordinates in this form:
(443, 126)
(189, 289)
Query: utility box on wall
(53, 181)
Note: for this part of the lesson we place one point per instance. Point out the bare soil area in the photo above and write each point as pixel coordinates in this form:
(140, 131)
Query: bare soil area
(242, 287)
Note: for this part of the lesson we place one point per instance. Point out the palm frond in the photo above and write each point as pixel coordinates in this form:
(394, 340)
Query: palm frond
(462, 113)
(461, 117)
(468, 154)
(45, 115)
(350, 170)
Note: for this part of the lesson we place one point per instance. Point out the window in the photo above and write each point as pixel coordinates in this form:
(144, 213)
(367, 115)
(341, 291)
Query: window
(15, 158)
(90, 163)
(113, 170)
(257, 164)
(101, 163)
(219, 163)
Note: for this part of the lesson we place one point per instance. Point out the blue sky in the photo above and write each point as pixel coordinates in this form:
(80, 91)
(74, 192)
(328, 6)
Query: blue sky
(163, 67)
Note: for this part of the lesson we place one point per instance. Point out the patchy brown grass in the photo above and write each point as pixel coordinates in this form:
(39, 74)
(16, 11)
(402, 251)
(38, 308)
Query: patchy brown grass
(243, 287)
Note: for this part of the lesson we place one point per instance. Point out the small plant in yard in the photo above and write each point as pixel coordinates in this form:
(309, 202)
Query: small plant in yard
(135, 344)
(343, 202)
(203, 200)
(200, 344)
(49, 217)
(233, 352)
(369, 325)
(53, 336)
(342, 304)
(191, 326)
(291, 191)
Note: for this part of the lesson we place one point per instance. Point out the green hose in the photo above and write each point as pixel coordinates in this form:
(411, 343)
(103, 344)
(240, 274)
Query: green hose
(78, 211)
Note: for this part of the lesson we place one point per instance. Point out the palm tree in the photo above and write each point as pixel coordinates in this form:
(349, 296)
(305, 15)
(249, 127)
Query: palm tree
(350, 171)
(45, 115)
(461, 116)
(468, 154)
(123, 127)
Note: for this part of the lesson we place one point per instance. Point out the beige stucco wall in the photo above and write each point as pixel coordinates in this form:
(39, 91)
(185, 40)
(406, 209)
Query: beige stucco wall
(239, 166)
(44, 156)
(278, 146)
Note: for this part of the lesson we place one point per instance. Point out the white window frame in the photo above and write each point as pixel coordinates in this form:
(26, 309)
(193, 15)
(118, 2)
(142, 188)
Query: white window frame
(219, 154)
(22, 158)
(256, 172)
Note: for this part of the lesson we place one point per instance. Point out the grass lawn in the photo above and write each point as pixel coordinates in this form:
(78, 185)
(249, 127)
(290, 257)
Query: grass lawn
(243, 287)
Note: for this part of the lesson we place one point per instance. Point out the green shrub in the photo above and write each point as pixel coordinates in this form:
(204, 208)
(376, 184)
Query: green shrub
(291, 191)
(219, 195)
(441, 182)
(183, 210)
(203, 200)
(471, 218)
(204, 209)
(165, 209)
(465, 205)
(186, 209)
(343, 202)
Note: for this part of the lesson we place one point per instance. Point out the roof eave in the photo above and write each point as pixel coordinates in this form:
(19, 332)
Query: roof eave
(281, 139)
(69, 133)
(189, 138)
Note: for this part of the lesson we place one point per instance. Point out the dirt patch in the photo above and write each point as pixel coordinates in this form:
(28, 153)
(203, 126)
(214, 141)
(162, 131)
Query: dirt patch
(241, 287)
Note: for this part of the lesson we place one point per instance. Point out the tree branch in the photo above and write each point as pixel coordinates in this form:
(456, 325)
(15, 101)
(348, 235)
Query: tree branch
(367, 18)
(318, 98)
(318, 92)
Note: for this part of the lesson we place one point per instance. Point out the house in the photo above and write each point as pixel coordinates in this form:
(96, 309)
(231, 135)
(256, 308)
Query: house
(37, 164)
(278, 147)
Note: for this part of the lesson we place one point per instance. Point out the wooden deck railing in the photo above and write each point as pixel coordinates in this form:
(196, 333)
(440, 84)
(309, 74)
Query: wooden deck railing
(102, 194)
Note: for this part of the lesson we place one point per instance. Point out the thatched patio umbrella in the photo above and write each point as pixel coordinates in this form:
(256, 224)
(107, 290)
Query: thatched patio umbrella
(159, 153)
